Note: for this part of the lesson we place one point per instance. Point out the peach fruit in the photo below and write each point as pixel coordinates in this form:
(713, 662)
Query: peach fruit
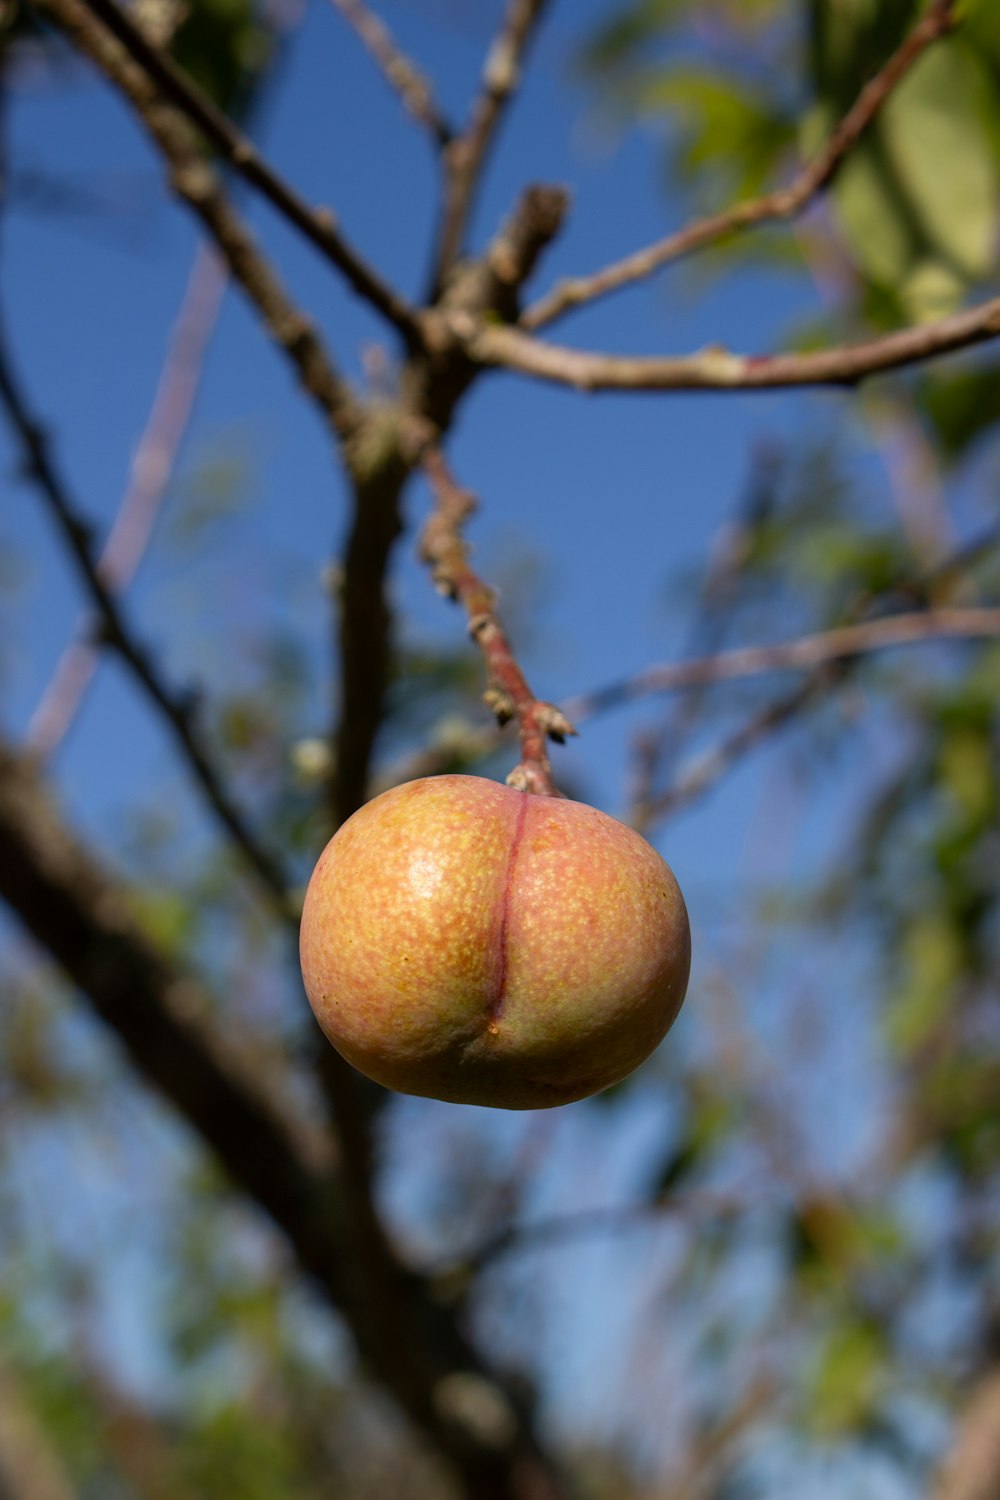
(470, 942)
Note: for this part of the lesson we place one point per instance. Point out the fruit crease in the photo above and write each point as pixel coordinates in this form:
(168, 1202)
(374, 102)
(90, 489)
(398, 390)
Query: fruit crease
(500, 980)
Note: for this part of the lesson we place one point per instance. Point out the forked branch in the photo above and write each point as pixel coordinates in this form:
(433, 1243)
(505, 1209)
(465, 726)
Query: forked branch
(466, 154)
(194, 180)
(318, 225)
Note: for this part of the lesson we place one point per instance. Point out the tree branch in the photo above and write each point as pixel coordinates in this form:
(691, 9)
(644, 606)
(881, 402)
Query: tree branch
(409, 1340)
(466, 155)
(844, 641)
(173, 709)
(30, 1466)
(972, 1468)
(783, 203)
(508, 695)
(709, 768)
(401, 72)
(716, 369)
(150, 475)
(317, 225)
(195, 181)
(364, 625)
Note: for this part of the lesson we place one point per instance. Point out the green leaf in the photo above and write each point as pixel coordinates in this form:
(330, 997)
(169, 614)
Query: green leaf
(847, 1380)
(942, 156)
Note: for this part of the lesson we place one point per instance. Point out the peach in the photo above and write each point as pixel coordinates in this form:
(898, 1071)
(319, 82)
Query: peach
(470, 942)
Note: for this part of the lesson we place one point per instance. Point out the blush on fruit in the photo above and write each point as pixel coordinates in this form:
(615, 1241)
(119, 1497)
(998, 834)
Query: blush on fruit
(470, 942)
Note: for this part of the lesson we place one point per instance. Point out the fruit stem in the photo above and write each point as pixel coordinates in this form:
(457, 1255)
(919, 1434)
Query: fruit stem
(444, 548)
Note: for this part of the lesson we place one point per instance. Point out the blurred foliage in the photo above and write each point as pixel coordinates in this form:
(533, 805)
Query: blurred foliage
(917, 202)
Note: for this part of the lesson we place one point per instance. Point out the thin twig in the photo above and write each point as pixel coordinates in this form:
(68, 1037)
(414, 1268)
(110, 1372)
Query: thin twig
(709, 768)
(881, 634)
(716, 368)
(466, 155)
(783, 203)
(198, 184)
(173, 708)
(656, 749)
(318, 225)
(401, 72)
(508, 695)
(151, 471)
(696, 1206)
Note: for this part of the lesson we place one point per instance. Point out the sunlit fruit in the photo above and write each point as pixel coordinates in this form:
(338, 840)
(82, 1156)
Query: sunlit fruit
(470, 942)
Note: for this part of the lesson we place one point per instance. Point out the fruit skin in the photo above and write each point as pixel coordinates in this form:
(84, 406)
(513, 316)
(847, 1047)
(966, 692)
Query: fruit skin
(469, 942)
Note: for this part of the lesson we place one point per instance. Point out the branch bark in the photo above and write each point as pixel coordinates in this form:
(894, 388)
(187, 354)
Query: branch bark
(717, 369)
(884, 633)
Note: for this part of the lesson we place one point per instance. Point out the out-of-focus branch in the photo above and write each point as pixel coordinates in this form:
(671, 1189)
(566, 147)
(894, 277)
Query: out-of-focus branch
(151, 471)
(445, 550)
(319, 226)
(85, 922)
(833, 645)
(709, 768)
(466, 154)
(198, 184)
(30, 1468)
(175, 711)
(972, 1468)
(410, 1342)
(364, 627)
(401, 72)
(717, 369)
(694, 1207)
(783, 203)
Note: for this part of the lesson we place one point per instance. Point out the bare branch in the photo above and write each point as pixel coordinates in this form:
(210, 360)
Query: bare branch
(972, 1468)
(715, 368)
(783, 203)
(175, 711)
(401, 72)
(807, 651)
(195, 181)
(709, 768)
(318, 225)
(444, 548)
(150, 475)
(466, 155)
